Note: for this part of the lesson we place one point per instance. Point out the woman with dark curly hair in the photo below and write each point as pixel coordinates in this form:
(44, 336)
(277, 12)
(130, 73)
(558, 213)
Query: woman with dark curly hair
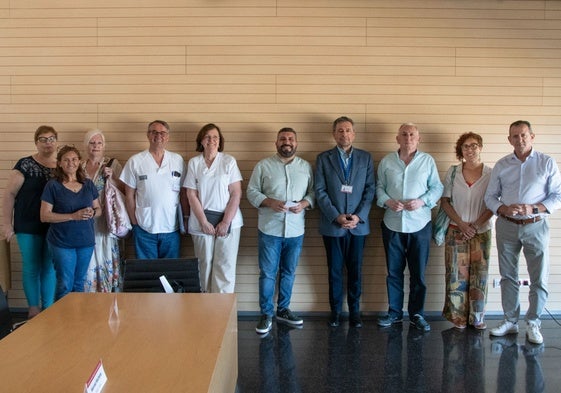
(468, 239)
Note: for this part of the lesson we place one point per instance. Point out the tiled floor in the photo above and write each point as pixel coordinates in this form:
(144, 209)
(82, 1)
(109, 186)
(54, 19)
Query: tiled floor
(318, 359)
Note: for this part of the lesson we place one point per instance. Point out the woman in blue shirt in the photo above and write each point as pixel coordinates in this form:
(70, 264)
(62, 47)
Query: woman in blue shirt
(70, 204)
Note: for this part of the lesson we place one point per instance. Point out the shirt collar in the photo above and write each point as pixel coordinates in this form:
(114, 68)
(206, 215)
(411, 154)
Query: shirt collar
(344, 154)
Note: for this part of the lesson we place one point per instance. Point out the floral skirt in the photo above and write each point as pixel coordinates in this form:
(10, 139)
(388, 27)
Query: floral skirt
(104, 270)
(467, 267)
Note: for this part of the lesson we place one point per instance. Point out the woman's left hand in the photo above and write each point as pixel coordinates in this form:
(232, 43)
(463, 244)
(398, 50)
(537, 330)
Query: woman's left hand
(222, 229)
(467, 230)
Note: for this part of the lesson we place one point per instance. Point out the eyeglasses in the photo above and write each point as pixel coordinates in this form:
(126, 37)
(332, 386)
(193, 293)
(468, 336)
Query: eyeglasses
(50, 139)
(472, 146)
(159, 133)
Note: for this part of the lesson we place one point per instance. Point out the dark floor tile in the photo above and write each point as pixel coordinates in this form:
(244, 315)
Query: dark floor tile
(319, 358)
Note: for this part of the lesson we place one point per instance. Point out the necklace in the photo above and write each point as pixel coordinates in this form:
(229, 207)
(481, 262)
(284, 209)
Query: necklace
(73, 185)
(472, 174)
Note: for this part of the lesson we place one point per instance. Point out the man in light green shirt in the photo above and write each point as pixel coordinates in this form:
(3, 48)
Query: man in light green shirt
(281, 187)
(408, 188)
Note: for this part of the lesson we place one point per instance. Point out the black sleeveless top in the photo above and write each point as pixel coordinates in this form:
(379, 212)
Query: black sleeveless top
(27, 205)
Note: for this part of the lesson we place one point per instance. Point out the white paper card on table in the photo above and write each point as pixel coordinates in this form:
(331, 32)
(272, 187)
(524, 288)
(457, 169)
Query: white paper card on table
(97, 380)
(165, 284)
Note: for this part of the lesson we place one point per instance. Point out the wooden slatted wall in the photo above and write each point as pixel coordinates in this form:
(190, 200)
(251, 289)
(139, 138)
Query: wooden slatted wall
(254, 66)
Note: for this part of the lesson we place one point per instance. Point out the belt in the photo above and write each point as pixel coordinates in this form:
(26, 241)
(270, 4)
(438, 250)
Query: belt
(523, 221)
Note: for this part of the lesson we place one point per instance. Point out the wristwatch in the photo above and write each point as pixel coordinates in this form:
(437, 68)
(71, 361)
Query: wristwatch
(535, 209)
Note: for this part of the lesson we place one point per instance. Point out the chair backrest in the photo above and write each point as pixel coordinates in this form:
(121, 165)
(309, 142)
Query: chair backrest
(6, 325)
(143, 275)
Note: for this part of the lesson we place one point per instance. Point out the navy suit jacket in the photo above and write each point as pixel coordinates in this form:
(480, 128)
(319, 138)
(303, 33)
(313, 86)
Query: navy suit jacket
(332, 202)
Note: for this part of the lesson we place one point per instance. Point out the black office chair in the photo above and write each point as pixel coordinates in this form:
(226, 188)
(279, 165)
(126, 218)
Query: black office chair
(6, 324)
(143, 275)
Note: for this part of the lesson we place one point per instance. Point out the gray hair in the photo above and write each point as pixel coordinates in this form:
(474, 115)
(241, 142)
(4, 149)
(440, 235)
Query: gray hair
(408, 124)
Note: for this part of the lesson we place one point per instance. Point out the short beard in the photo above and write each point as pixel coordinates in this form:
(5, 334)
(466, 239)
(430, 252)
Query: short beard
(286, 153)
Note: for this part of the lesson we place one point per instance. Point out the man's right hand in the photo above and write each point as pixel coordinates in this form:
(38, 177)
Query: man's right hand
(394, 205)
(275, 204)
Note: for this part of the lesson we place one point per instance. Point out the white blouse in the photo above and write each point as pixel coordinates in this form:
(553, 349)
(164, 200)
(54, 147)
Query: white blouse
(468, 201)
(212, 185)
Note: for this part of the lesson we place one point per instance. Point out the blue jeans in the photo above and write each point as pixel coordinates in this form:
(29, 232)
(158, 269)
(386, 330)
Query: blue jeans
(38, 271)
(404, 249)
(344, 252)
(155, 245)
(277, 253)
(71, 265)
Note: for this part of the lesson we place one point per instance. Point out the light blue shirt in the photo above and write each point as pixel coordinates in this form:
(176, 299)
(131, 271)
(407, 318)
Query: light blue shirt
(291, 182)
(346, 158)
(417, 180)
(533, 181)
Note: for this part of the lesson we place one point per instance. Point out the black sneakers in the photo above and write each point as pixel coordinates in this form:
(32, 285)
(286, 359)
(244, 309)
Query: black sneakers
(388, 320)
(285, 315)
(419, 323)
(264, 325)
(354, 320)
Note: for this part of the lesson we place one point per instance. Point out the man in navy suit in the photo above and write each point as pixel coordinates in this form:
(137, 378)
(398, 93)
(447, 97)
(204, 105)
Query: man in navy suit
(345, 188)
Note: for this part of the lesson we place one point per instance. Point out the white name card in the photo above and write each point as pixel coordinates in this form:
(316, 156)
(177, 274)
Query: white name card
(166, 285)
(97, 379)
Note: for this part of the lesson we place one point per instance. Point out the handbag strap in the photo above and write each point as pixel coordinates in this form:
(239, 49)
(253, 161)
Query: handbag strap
(452, 182)
(108, 165)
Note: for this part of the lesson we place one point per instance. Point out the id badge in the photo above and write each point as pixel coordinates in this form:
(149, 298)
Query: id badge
(347, 189)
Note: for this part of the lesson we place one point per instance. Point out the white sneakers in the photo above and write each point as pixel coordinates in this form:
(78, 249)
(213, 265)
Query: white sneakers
(533, 333)
(506, 327)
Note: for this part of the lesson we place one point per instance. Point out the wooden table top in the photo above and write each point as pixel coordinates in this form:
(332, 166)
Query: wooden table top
(162, 343)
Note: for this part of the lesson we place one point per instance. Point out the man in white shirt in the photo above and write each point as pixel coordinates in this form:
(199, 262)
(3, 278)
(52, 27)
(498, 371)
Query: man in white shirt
(525, 187)
(153, 180)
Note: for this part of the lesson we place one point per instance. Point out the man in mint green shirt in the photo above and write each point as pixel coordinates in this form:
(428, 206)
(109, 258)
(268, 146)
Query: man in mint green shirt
(408, 188)
(281, 187)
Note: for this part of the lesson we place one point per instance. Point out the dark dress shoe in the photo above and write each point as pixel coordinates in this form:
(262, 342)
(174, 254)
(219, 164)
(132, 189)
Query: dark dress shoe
(334, 319)
(355, 321)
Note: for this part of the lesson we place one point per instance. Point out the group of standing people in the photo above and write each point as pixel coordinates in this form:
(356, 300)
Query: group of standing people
(163, 195)
(522, 190)
(53, 203)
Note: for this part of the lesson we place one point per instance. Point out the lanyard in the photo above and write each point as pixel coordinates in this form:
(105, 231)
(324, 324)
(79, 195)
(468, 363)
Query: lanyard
(346, 169)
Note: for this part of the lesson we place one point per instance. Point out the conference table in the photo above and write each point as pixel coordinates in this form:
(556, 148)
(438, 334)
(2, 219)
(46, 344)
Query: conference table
(156, 342)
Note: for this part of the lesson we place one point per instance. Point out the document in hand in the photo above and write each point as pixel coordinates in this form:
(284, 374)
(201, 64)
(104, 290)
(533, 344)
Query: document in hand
(215, 218)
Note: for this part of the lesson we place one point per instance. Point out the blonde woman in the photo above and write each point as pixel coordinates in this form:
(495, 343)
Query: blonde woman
(103, 271)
